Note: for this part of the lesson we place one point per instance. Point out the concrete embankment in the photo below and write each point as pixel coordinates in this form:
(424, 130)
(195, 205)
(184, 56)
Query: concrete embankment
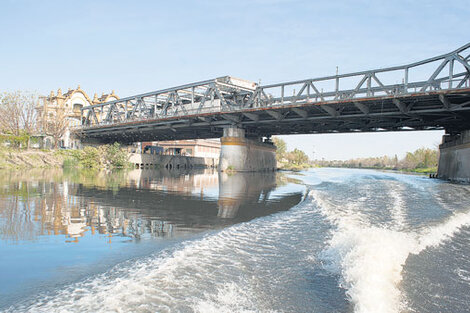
(30, 159)
(171, 161)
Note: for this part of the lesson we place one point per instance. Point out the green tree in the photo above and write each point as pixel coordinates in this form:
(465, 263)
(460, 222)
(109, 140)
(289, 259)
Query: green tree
(297, 157)
(90, 157)
(115, 155)
(281, 148)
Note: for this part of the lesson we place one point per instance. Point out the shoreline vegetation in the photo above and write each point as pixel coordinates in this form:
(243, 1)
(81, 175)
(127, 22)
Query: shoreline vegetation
(421, 161)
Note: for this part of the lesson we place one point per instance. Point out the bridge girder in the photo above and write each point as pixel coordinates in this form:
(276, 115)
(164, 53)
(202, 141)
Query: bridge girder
(375, 100)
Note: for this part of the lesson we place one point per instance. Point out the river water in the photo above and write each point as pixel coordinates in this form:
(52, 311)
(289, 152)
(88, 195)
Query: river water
(324, 240)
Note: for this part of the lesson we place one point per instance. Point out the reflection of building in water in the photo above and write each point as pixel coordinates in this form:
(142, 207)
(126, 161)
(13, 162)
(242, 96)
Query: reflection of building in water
(60, 211)
(239, 188)
(146, 203)
(193, 182)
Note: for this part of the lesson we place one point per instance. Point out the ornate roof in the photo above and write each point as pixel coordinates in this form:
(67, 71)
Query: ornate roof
(105, 97)
(71, 92)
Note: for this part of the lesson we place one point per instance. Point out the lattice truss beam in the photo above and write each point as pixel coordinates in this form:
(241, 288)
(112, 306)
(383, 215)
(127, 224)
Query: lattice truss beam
(220, 94)
(238, 101)
(444, 72)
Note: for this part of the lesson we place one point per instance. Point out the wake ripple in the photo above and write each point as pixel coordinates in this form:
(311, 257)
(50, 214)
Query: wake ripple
(370, 259)
(228, 271)
(243, 268)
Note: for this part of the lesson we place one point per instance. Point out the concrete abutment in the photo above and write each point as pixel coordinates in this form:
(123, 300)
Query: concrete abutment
(454, 157)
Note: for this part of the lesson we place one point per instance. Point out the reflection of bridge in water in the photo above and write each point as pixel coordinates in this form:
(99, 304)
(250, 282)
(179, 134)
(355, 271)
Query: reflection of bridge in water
(425, 95)
(195, 199)
(238, 189)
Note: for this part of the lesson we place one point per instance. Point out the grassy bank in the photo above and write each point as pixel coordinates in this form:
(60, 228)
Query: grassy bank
(17, 159)
(106, 156)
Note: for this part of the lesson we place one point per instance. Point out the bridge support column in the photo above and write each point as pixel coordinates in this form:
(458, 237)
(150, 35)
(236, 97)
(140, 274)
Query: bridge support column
(242, 154)
(454, 157)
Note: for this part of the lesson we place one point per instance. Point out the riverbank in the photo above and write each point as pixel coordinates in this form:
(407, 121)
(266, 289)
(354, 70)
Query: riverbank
(288, 166)
(106, 156)
(425, 171)
(33, 158)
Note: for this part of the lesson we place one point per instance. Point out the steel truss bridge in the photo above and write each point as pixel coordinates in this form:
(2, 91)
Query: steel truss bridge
(425, 95)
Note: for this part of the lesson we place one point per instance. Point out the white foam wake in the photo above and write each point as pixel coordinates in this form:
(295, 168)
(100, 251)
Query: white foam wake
(212, 274)
(398, 206)
(370, 259)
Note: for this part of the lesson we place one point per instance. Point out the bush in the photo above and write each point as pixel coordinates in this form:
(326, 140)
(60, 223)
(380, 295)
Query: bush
(110, 156)
(70, 162)
(90, 157)
(15, 141)
(115, 155)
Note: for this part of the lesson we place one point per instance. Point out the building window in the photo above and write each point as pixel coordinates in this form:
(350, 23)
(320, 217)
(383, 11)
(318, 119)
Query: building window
(77, 107)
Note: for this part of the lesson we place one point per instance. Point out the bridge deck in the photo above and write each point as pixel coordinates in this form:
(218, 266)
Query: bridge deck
(418, 112)
(438, 97)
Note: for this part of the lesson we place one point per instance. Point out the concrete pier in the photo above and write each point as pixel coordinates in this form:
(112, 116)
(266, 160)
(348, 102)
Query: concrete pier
(242, 154)
(454, 159)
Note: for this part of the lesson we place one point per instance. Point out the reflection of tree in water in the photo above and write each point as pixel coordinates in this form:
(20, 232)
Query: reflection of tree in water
(15, 211)
(33, 207)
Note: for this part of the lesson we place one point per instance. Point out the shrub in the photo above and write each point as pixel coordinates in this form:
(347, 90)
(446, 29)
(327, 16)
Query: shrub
(115, 155)
(70, 162)
(90, 157)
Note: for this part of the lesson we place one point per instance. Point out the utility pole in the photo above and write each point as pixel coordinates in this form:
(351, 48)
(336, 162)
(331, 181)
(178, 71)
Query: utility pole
(313, 155)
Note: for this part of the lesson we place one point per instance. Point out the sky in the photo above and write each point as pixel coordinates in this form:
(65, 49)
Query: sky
(140, 46)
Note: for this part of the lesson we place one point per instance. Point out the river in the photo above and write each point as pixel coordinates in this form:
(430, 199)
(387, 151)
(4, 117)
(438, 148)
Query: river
(323, 240)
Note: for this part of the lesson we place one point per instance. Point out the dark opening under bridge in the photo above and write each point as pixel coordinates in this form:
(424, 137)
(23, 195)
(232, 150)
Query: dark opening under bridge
(425, 95)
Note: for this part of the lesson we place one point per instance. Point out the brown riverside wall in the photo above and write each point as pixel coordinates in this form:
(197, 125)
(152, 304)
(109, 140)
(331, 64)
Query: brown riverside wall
(171, 161)
(454, 158)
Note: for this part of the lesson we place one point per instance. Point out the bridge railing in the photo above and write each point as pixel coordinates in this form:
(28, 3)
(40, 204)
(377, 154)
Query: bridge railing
(228, 94)
(448, 71)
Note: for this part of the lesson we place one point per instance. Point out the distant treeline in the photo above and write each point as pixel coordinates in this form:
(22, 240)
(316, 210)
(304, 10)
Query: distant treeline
(423, 160)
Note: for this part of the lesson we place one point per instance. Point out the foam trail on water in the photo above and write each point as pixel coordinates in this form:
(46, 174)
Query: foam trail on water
(435, 235)
(398, 206)
(370, 259)
(212, 274)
